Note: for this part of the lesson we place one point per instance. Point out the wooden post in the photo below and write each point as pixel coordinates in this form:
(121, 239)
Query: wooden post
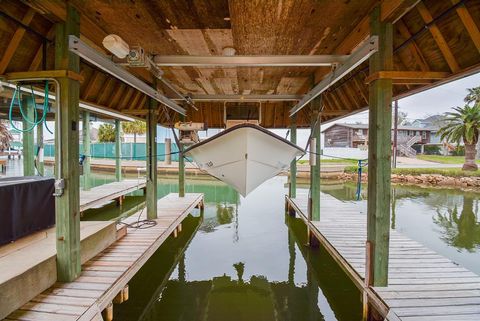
(67, 205)
(379, 154)
(181, 168)
(118, 151)
(168, 151)
(40, 163)
(293, 165)
(314, 214)
(86, 150)
(151, 198)
(28, 148)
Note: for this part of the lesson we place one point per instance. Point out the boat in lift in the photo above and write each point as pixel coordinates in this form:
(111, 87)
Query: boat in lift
(244, 156)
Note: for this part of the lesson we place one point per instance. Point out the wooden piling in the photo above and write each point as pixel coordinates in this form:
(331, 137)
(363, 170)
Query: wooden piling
(67, 211)
(293, 165)
(27, 136)
(181, 169)
(379, 153)
(86, 150)
(118, 151)
(151, 197)
(315, 169)
(168, 151)
(40, 163)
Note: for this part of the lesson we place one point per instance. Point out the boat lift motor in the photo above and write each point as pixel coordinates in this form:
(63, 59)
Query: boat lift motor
(188, 132)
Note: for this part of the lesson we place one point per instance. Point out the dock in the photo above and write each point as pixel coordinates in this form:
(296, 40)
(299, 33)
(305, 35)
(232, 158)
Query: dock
(422, 284)
(104, 278)
(105, 193)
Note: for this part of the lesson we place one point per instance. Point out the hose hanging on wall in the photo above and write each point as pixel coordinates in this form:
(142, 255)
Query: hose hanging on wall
(35, 122)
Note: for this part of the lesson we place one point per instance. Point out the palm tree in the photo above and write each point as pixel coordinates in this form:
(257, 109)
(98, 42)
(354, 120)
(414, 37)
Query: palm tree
(463, 124)
(473, 95)
(5, 137)
(136, 127)
(106, 133)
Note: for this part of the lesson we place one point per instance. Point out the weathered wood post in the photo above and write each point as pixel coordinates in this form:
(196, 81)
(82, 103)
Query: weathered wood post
(168, 151)
(27, 136)
(181, 168)
(66, 140)
(40, 163)
(151, 197)
(118, 151)
(315, 168)
(86, 150)
(293, 165)
(379, 154)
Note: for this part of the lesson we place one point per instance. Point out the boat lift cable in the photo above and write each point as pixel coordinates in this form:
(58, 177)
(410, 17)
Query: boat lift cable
(140, 224)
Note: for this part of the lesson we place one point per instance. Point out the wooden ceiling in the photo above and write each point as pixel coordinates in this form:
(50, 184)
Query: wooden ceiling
(430, 35)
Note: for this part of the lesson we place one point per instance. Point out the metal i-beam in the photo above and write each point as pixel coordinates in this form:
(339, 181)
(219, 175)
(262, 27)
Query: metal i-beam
(244, 97)
(250, 61)
(86, 52)
(362, 53)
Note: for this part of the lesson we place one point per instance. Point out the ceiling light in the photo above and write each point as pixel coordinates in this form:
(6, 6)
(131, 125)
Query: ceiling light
(228, 51)
(116, 46)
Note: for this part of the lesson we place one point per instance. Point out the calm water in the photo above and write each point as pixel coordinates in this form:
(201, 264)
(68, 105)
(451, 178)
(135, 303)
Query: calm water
(244, 260)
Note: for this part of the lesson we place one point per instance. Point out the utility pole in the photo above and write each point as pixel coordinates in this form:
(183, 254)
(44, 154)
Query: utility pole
(395, 130)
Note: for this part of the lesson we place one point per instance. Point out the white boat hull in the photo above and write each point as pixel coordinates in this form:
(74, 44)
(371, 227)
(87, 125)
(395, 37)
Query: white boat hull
(244, 156)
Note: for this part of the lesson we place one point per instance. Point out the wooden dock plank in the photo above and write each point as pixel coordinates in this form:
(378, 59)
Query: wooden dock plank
(104, 276)
(105, 193)
(423, 285)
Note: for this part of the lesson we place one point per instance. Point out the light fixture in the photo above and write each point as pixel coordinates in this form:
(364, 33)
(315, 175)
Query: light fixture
(116, 46)
(228, 51)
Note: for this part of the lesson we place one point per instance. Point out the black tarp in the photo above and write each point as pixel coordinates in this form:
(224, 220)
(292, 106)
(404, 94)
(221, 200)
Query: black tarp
(27, 205)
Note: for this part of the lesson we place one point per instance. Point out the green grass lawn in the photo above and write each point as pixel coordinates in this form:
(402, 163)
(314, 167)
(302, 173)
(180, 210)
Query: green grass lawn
(452, 172)
(332, 161)
(444, 159)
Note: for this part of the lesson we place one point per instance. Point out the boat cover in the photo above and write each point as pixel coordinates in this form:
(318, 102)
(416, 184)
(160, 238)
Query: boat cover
(244, 156)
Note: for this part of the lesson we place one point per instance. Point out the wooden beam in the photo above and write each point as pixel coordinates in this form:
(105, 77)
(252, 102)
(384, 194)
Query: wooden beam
(344, 97)
(360, 89)
(469, 23)
(67, 208)
(181, 167)
(103, 91)
(413, 47)
(379, 153)
(40, 160)
(406, 75)
(316, 106)
(116, 94)
(126, 98)
(135, 100)
(393, 10)
(37, 59)
(60, 73)
(91, 84)
(438, 37)
(28, 152)
(15, 41)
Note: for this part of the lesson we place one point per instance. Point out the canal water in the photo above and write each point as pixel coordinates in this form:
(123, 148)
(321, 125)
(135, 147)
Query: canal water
(243, 259)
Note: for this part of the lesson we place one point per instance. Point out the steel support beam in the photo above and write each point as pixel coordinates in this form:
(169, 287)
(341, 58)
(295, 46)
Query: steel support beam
(244, 98)
(86, 150)
(293, 165)
(118, 151)
(151, 197)
(67, 205)
(249, 61)
(27, 137)
(379, 154)
(89, 54)
(362, 53)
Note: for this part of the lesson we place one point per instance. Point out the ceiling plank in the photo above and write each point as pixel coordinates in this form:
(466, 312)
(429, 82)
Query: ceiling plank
(360, 89)
(15, 41)
(91, 84)
(413, 47)
(135, 100)
(438, 37)
(103, 91)
(37, 59)
(469, 23)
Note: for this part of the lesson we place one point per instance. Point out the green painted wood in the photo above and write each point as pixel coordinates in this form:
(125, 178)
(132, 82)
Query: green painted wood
(379, 154)
(181, 168)
(40, 163)
(151, 197)
(28, 152)
(315, 170)
(293, 165)
(86, 150)
(118, 151)
(67, 205)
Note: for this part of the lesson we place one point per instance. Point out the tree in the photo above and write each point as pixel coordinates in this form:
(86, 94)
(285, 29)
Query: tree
(473, 96)
(106, 133)
(463, 124)
(5, 136)
(136, 127)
